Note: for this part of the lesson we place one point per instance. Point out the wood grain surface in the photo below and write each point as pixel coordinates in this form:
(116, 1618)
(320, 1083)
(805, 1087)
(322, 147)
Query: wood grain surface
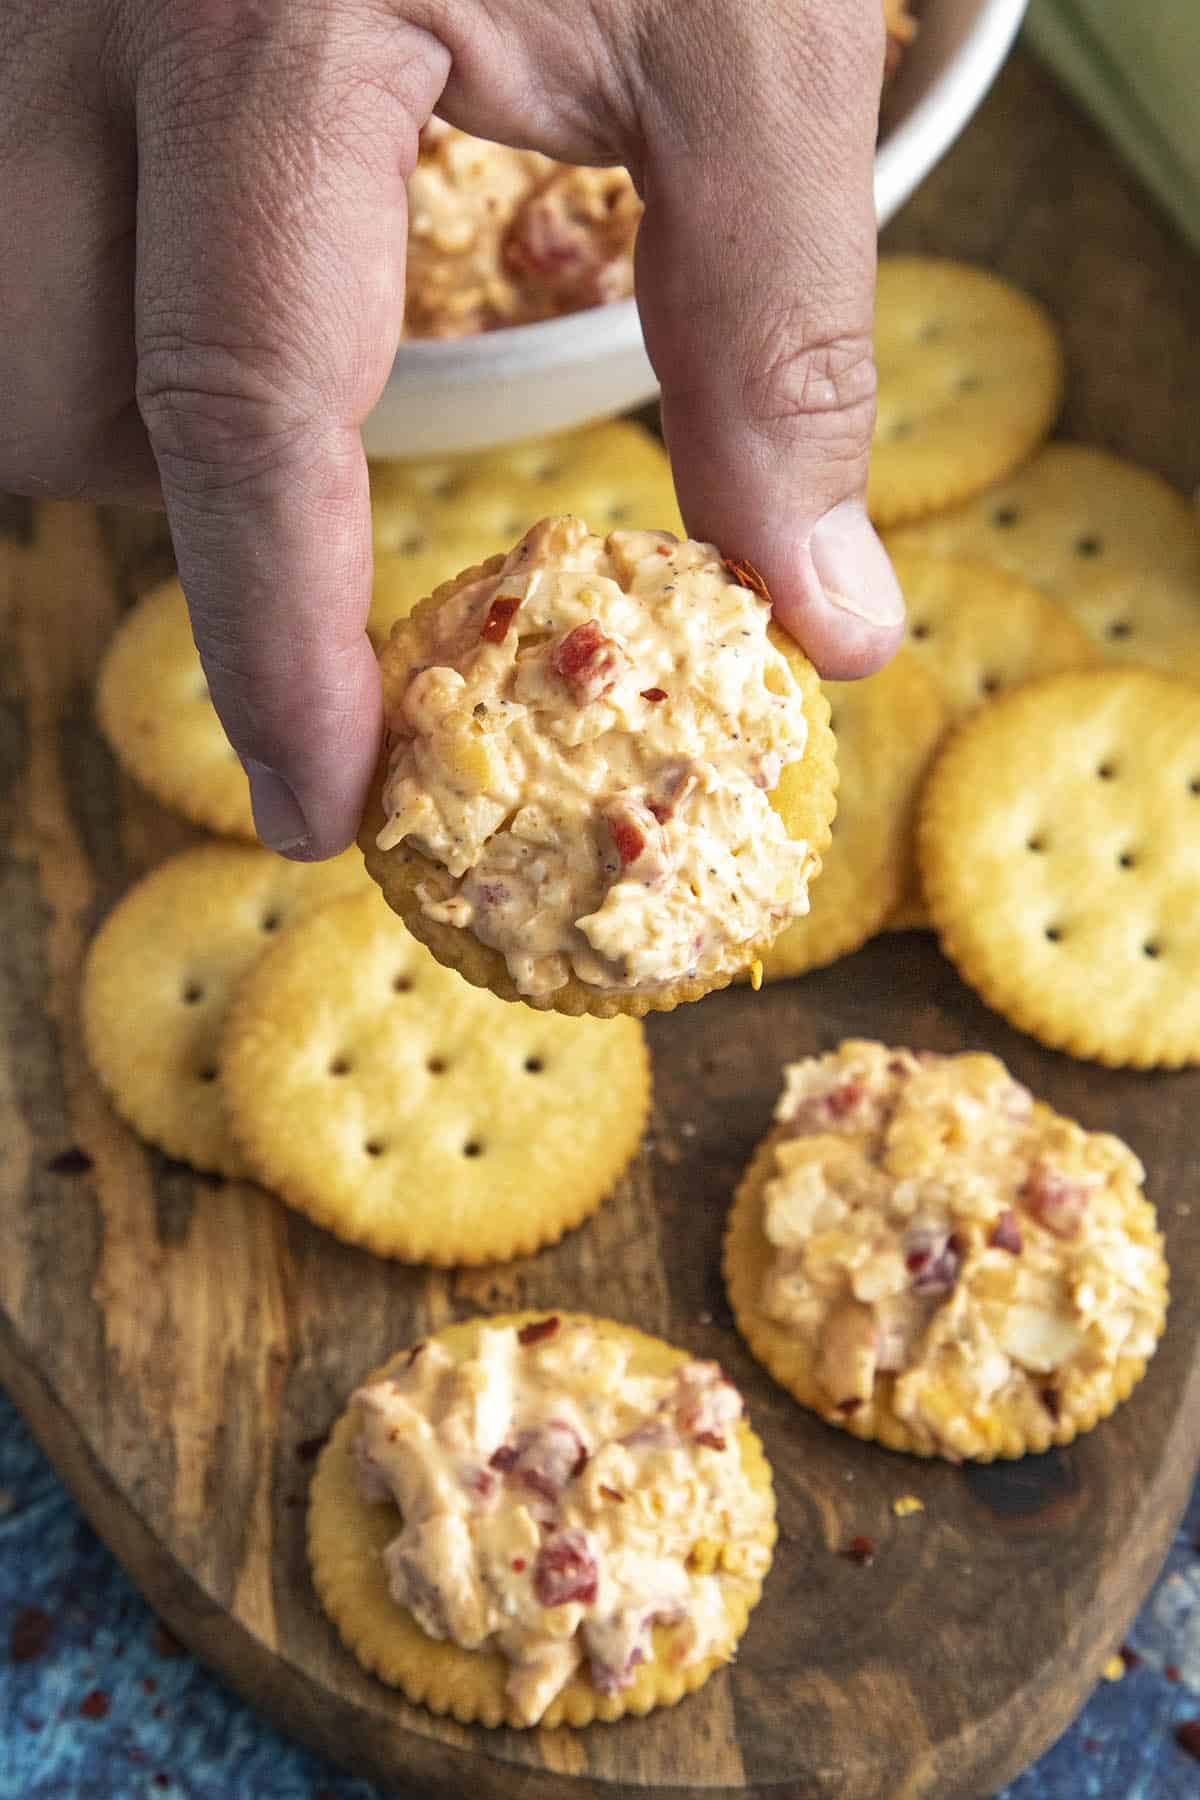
(181, 1346)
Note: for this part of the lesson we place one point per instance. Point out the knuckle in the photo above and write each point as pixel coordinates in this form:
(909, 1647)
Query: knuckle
(828, 386)
(215, 424)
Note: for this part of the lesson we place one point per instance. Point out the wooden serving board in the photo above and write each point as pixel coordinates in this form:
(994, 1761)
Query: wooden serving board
(181, 1346)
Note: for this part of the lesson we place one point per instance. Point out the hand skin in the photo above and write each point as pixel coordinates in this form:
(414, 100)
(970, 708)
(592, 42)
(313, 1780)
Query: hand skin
(202, 244)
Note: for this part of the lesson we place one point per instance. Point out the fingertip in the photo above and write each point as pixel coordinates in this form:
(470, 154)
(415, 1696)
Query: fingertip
(844, 606)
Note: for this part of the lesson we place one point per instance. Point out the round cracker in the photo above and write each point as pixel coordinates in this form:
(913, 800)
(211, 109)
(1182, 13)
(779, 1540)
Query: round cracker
(153, 706)
(436, 515)
(805, 798)
(790, 1359)
(346, 1537)
(970, 382)
(402, 1109)
(978, 630)
(1114, 544)
(886, 728)
(159, 975)
(1059, 845)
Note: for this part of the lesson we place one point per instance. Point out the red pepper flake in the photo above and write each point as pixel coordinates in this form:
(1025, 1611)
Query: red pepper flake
(580, 1463)
(628, 837)
(518, 1563)
(494, 629)
(1187, 1736)
(612, 1494)
(538, 1329)
(654, 693)
(70, 1162)
(166, 1643)
(713, 1439)
(747, 576)
(1171, 1671)
(30, 1635)
(1129, 1656)
(860, 1550)
(94, 1705)
(1006, 1233)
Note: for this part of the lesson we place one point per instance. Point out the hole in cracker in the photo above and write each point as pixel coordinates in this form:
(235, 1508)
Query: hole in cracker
(899, 430)
(990, 684)
(411, 545)
(1036, 843)
(375, 1147)
(472, 1147)
(402, 984)
(1120, 628)
(619, 514)
(1054, 934)
(437, 1065)
(534, 1065)
(513, 527)
(929, 332)
(193, 993)
(445, 488)
(1194, 785)
(271, 921)
(1089, 545)
(921, 629)
(547, 472)
(1152, 948)
(1107, 771)
(209, 1072)
(1127, 860)
(968, 384)
(340, 1065)
(1005, 516)
(202, 692)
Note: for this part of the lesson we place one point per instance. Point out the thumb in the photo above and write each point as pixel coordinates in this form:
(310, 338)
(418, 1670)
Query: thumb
(756, 270)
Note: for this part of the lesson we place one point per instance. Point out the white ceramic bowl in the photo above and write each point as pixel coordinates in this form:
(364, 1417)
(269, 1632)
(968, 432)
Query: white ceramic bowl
(448, 395)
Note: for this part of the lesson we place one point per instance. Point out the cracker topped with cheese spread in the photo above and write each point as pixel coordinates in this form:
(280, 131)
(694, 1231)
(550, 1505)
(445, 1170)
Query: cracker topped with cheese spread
(542, 1518)
(924, 1254)
(608, 779)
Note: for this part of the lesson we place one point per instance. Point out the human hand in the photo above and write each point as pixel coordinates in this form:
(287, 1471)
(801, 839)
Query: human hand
(202, 276)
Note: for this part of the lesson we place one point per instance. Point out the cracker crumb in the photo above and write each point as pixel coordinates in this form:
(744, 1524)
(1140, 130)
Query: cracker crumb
(1114, 1669)
(756, 973)
(906, 1505)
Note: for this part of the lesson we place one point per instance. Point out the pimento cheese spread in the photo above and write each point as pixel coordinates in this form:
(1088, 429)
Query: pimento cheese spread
(505, 237)
(587, 742)
(557, 1504)
(933, 1224)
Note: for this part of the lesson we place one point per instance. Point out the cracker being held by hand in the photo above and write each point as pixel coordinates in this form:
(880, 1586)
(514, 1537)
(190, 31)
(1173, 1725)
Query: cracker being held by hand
(1059, 844)
(159, 976)
(432, 516)
(542, 1519)
(608, 779)
(403, 1110)
(925, 1255)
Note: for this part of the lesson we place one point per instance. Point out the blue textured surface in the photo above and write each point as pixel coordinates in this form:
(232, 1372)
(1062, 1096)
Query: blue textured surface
(168, 1729)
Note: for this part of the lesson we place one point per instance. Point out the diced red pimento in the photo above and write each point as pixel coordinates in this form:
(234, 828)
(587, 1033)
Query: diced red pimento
(589, 661)
(494, 629)
(566, 1569)
(538, 1330)
(544, 1458)
(1006, 1233)
(1055, 1200)
(933, 1258)
(845, 1098)
(708, 1404)
(638, 835)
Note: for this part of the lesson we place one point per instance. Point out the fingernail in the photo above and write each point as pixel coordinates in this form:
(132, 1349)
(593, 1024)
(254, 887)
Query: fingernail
(852, 566)
(278, 820)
